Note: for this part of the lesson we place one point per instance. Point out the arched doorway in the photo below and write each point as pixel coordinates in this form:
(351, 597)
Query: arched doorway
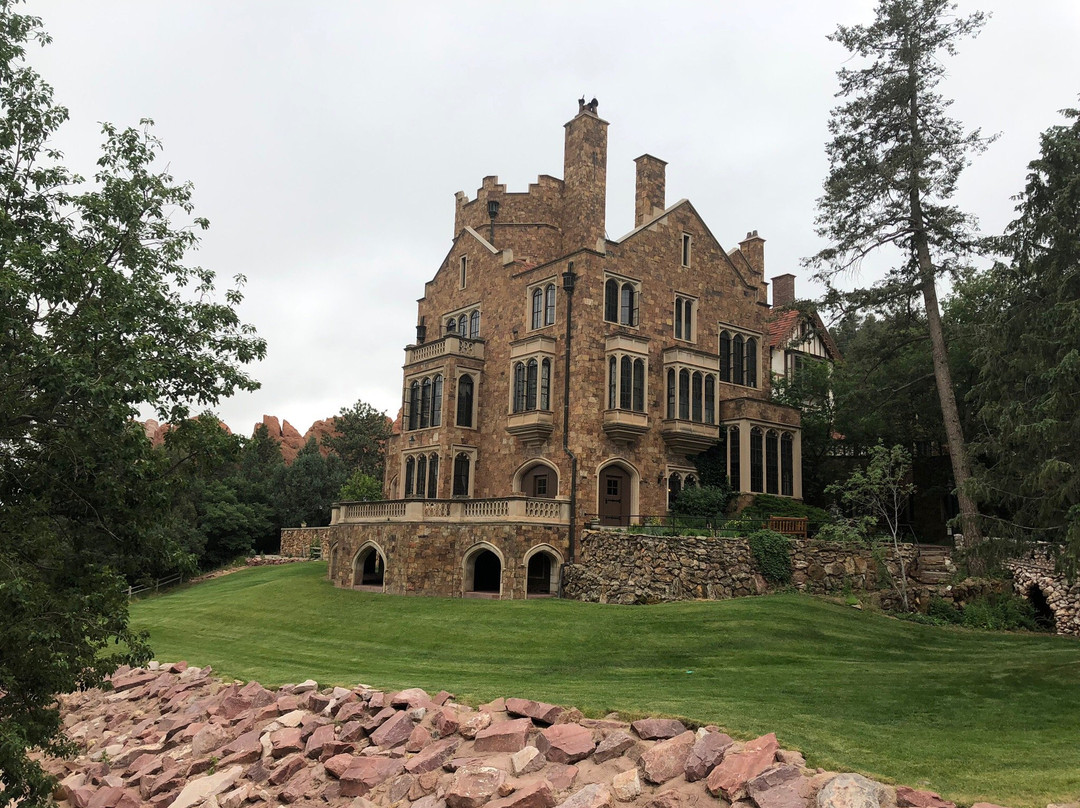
(483, 572)
(615, 496)
(369, 568)
(542, 572)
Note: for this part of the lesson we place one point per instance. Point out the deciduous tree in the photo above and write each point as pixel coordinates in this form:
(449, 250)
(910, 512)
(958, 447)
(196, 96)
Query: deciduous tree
(99, 314)
(895, 156)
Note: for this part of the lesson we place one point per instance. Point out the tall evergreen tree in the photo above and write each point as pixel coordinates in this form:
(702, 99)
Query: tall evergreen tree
(1028, 391)
(895, 156)
(362, 433)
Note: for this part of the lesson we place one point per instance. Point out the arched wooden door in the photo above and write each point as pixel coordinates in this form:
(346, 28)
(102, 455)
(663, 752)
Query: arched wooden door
(614, 496)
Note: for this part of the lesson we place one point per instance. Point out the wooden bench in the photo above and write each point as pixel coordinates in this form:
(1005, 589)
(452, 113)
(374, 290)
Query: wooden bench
(789, 525)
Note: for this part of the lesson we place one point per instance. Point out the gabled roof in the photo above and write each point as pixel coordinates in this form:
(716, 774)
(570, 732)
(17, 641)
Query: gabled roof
(784, 323)
(740, 274)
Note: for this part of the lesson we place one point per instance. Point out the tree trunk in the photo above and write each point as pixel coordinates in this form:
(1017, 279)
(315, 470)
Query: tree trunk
(954, 433)
(950, 415)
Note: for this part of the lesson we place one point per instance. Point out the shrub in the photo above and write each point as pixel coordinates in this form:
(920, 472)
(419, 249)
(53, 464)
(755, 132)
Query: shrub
(772, 556)
(1001, 611)
(706, 501)
(942, 610)
(844, 532)
(765, 505)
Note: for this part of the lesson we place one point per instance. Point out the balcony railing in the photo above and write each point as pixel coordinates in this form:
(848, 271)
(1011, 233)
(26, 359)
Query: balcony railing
(503, 509)
(449, 344)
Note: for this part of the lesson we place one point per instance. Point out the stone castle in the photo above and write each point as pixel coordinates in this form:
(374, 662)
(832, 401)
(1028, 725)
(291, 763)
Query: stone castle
(561, 378)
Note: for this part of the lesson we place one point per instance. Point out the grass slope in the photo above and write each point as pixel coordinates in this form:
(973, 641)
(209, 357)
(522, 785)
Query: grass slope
(974, 715)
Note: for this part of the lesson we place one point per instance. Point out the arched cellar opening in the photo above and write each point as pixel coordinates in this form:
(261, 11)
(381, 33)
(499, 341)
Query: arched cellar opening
(1044, 615)
(369, 568)
(487, 572)
(482, 573)
(542, 575)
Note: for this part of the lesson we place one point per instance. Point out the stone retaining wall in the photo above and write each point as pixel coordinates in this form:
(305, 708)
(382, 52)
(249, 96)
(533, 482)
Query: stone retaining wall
(616, 567)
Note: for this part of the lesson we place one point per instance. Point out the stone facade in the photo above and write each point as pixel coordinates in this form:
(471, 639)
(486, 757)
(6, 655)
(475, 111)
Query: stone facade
(437, 559)
(630, 433)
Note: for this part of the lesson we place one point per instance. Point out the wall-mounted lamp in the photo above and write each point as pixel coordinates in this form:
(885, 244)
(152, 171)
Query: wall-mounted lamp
(493, 211)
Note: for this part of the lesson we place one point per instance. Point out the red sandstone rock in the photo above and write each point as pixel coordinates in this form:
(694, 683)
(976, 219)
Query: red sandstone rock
(394, 731)
(247, 745)
(729, 778)
(565, 743)
(505, 736)
(650, 729)
(351, 710)
(474, 723)
(339, 764)
(526, 761)
(613, 746)
(381, 717)
(496, 706)
(781, 786)
(285, 741)
(413, 697)
(106, 797)
(318, 740)
(446, 721)
(537, 795)
(913, 798)
(440, 698)
(133, 679)
(298, 787)
(667, 759)
(706, 754)
(560, 775)
(366, 773)
(591, 796)
(352, 731)
(419, 738)
(850, 791)
(472, 786)
(286, 769)
(434, 756)
(545, 713)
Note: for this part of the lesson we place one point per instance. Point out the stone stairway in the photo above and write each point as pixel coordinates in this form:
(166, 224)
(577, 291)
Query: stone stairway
(935, 565)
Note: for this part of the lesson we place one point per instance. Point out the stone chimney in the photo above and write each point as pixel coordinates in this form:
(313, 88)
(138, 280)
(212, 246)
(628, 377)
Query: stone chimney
(783, 289)
(649, 197)
(585, 179)
(753, 250)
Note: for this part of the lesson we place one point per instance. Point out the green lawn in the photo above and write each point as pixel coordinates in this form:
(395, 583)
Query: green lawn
(974, 715)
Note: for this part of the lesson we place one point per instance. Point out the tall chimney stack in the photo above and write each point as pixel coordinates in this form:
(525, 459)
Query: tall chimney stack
(783, 289)
(753, 249)
(585, 179)
(649, 196)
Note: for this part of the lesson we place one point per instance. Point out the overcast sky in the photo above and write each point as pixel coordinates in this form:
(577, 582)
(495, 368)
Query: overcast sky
(326, 140)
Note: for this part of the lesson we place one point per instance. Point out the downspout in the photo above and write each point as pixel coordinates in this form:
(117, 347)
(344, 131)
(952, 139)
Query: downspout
(568, 286)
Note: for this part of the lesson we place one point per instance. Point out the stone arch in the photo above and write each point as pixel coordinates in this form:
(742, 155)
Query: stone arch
(634, 479)
(369, 567)
(526, 470)
(1041, 590)
(483, 566)
(543, 565)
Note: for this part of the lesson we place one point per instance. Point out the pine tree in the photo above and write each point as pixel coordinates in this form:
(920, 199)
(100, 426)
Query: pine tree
(1028, 392)
(895, 157)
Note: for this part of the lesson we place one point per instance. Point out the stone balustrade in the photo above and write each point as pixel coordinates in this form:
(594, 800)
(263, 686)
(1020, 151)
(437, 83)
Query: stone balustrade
(503, 509)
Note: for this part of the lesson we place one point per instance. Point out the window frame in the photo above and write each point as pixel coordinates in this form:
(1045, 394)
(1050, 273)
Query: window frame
(624, 307)
(684, 318)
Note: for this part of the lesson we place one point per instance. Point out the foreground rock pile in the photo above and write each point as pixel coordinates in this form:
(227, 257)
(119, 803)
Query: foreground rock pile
(172, 736)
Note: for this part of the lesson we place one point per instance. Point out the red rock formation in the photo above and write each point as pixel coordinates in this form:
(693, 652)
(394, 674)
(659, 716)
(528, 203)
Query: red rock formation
(290, 439)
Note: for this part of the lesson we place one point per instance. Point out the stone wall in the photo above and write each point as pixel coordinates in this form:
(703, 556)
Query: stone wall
(430, 558)
(615, 567)
(1037, 569)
